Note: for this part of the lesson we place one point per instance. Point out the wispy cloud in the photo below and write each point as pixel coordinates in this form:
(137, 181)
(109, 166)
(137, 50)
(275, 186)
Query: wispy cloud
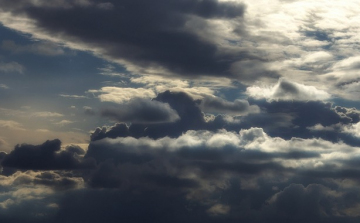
(73, 96)
(9, 67)
(3, 86)
(41, 48)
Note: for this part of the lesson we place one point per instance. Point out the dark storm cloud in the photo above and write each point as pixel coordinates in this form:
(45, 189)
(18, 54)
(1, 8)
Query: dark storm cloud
(144, 33)
(44, 157)
(142, 111)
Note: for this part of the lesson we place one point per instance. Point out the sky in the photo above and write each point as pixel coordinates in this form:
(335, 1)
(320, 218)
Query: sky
(179, 111)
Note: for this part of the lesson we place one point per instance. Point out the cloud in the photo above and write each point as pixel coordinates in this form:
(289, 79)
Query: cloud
(252, 69)
(3, 86)
(34, 193)
(63, 122)
(9, 124)
(53, 180)
(260, 46)
(287, 90)
(72, 96)
(108, 70)
(228, 151)
(174, 47)
(197, 89)
(89, 110)
(353, 129)
(43, 157)
(35, 127)
(218, 105)
(305, 203)
(237, 166)
(3, 145)
(281, 155)
(350, 63)
(188, 113)
(105, 6)
(118, 130)
(75, 149)
(45, 4)
(218, 176)
(11, 67)
(46, 114)
(142, 111)
(279, 118)
(26, 112)
(283, 119)
(41, 48)
(177, 107)
(219, 209)
(121, 95)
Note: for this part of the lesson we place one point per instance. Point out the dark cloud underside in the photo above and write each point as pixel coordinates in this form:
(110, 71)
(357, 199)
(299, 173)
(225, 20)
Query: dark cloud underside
(141, 32)
(43, 157)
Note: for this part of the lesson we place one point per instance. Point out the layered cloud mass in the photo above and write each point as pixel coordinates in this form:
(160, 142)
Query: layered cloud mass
(194, 167)
(179, 111)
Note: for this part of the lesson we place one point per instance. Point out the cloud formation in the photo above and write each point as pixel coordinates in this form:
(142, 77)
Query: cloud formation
(218, 105)
(156, 36)
(121, 95)
(287, 90)
(43, 157)
(209, 111)
(11, 67)
(47, 49)
(219, 175)
(142, 111)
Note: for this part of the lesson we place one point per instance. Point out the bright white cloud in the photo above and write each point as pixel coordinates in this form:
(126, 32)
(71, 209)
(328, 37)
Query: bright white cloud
(121, 95)
(353, 129)
(287, 90)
